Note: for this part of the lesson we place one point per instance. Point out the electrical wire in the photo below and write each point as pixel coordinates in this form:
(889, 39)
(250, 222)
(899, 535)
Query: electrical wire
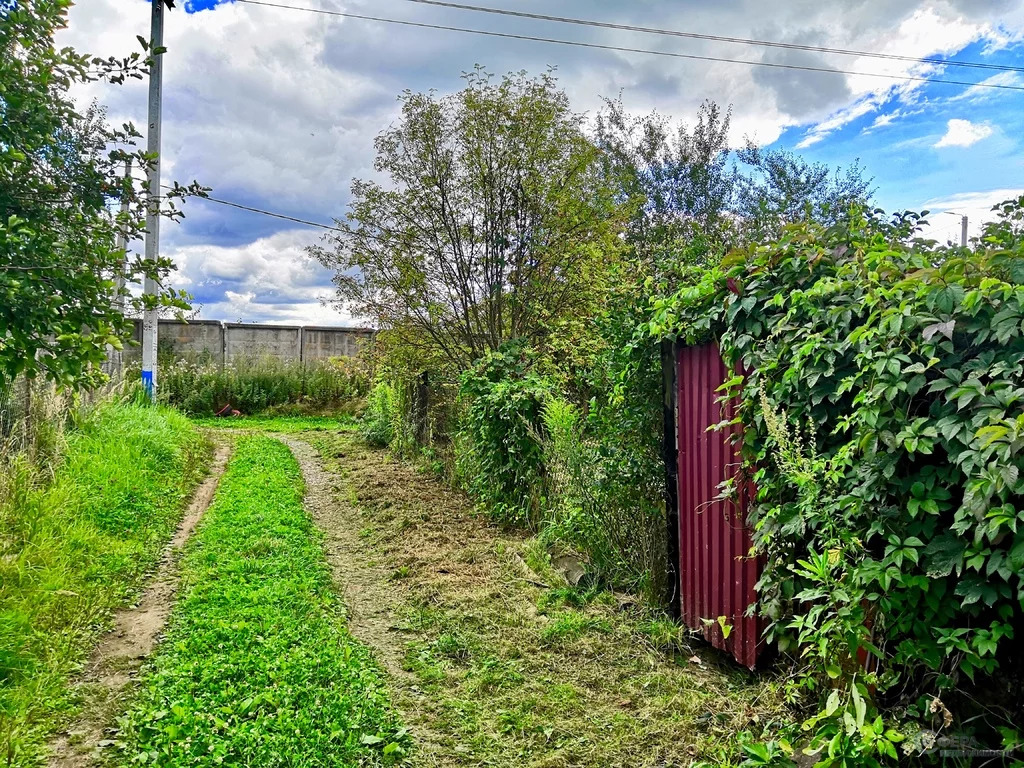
(307, 222)
(624, 49)
(275, 215)
(717, 38)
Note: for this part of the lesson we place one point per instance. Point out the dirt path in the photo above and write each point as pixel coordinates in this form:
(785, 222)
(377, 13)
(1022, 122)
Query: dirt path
(117, 659)
(370, 607)
(494, 660)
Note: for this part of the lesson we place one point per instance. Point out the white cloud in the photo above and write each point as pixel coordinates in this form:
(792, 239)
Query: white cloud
(837, 120)
(271, 279)
(963, 133)
(278, 109)
(885, 119)
(984, 90)
(976, 206)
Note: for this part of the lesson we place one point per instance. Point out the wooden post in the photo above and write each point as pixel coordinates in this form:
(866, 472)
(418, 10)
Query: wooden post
(670, 458)
(421, 407)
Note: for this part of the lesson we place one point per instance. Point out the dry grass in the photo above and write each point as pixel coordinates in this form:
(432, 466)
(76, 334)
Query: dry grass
(501, 663)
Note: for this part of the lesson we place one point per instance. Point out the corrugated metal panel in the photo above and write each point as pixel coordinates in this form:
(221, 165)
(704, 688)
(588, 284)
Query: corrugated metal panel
(717, 575)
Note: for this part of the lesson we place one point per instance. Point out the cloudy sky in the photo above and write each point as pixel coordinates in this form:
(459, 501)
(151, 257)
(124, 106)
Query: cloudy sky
(277, 108)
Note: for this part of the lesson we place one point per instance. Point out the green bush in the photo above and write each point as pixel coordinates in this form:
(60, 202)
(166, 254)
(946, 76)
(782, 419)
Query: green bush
(77, 536)
(255, 385)
(381, 414)
(499, 454)
(884, 414)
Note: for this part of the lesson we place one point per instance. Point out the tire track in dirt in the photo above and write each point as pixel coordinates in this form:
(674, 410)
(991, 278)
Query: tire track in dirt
(107, 680)
(375, 604)
(370, 606)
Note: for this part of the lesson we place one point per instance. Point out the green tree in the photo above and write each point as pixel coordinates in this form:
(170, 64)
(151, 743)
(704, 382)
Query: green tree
(778, 188)
(63, 277)
(494, 223)
(678, 179)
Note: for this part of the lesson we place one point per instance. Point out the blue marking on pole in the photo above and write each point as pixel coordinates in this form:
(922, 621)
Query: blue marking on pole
(195, 6)
(147, 383)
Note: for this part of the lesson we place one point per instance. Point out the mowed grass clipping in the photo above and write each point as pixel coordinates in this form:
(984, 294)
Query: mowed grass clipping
(258, 668)
(76, 547)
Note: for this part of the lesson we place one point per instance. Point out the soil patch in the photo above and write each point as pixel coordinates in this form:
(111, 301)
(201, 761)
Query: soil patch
(114, 664)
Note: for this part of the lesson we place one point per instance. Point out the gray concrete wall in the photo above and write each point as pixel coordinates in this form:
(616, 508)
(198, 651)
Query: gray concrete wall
(250, 340)
(195, 339)
(222, 342)
(321, 343)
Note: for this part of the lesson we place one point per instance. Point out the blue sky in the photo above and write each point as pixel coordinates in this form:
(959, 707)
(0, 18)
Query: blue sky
(278, 109)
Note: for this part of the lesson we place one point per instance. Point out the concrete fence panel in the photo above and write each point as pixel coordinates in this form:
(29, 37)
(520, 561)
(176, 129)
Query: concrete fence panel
(322, 343)
(224, 342)
(281, 342)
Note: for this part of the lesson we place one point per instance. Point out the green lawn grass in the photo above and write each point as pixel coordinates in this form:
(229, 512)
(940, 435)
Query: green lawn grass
(283, 424)
(258, 668)
(76, 548)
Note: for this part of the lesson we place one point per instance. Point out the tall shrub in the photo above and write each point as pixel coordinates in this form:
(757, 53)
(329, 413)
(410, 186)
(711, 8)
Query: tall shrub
(499, 453)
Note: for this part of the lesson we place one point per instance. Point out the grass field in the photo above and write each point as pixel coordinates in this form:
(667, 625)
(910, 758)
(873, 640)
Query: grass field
(283, 424)
(76, 547)
(258, 668)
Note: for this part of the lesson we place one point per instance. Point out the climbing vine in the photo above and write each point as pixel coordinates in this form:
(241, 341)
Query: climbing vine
(883, 400)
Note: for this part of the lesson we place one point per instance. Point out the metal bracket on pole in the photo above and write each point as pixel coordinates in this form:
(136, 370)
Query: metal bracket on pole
(150, 317)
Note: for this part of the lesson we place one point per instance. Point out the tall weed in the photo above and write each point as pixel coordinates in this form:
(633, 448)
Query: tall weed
(381, 415)
(599, 503)
(255, 385)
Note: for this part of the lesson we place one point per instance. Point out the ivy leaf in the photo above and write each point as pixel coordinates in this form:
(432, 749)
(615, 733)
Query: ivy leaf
(946, 329)
(943, 554)
(974, 589)
(1016, 557)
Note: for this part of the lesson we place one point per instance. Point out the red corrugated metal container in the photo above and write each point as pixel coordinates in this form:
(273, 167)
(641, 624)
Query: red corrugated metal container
(716, 573)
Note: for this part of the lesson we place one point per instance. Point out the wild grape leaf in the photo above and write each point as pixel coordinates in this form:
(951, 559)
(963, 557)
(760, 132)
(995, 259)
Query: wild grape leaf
(946, 329)
(943, 554)
(975, 589)
(1016, 557)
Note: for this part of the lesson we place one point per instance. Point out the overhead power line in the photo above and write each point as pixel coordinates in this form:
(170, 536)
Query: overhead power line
(276, 215)
(717, 38)
(624, 49)
(265, 213)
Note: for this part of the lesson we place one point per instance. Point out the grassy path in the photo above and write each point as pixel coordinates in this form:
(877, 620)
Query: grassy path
(76, 547)
(106, 685)
(258, 668)
(338, 607)
(493, 659)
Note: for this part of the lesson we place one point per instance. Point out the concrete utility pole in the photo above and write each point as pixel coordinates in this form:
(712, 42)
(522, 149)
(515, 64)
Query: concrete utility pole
(963, 226)
(150, 317)
(116, 357)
